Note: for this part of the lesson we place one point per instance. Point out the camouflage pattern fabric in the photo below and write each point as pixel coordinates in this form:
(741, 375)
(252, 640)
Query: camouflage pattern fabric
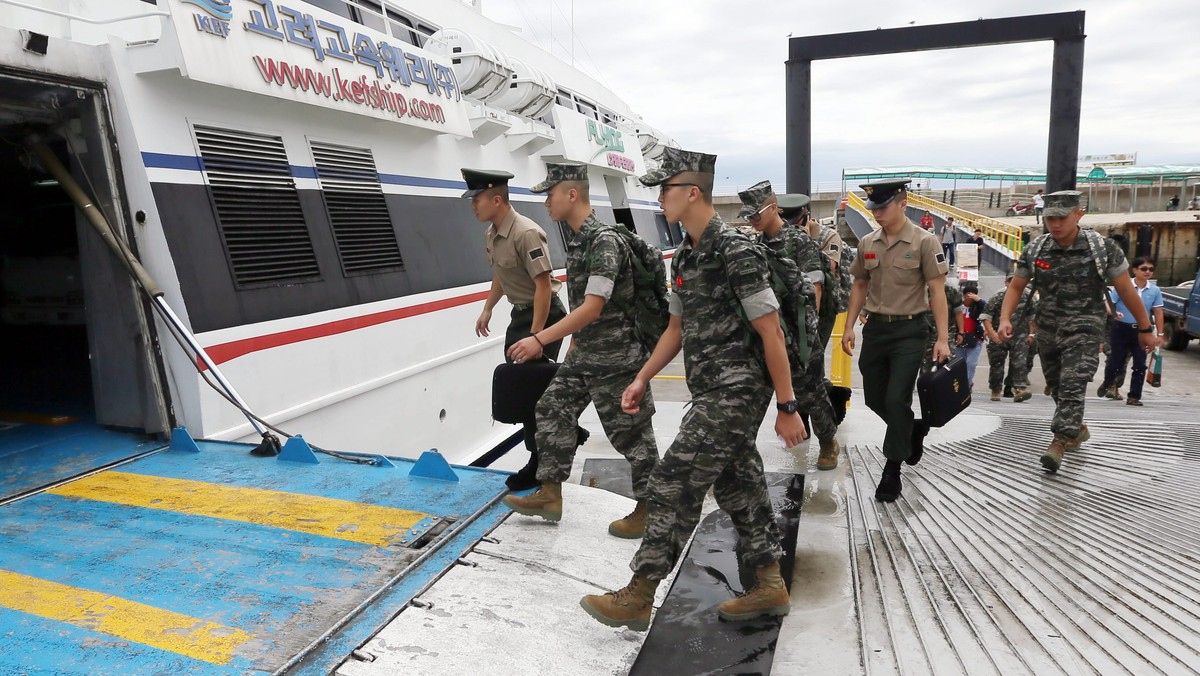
(557, 172)
(1070, 318)
(716, 442)
(675, 161)
(606, 357)
(1061, 203)
(808, 380)
(715, 447)
(558, 414)
(754, 197)
(610, 341)
(1016, 349)
(841, 290)
(954, 300)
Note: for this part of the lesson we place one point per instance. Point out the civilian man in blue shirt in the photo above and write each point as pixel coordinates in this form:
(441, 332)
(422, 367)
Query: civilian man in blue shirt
(1123, 336)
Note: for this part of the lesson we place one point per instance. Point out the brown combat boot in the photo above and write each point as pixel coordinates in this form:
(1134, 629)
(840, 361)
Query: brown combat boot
(1084, 435)
(829, 454)
(545, 502)
(1053, 457)
(1021, 394)
(627, 607)
(768, 597)
(633, 525)
(996, 394)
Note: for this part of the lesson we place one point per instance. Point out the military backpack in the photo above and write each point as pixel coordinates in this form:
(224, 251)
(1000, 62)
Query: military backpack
(845, 281)
(650, 311)
(797, 305)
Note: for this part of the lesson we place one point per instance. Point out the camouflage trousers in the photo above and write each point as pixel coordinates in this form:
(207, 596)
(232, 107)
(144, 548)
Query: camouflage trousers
(558, 413)
(1016, 351)
(809, 387)
(715, 447)
(1069, 361)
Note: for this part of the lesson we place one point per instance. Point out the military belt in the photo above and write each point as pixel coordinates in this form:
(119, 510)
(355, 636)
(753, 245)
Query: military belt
(521, 307)
(880, 317)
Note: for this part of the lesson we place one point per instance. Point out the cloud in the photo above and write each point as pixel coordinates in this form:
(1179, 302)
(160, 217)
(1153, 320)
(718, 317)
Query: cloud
(711, 74)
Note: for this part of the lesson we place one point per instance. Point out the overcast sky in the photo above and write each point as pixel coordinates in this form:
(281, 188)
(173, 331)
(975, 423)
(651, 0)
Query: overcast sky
(711, 74)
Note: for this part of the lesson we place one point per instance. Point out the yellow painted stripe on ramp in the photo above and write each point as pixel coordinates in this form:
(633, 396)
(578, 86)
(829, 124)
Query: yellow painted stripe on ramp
(342, 519)
(115, 616)
(670, 377)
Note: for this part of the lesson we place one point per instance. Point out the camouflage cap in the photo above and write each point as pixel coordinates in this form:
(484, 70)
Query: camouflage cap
(557, 172)
(790, 204)
(1061, 203)
(478, 180)
(675, 161)
(880, 193)
(754, 197)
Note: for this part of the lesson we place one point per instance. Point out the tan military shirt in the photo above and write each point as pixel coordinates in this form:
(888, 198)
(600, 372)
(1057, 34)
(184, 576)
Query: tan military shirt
(898, 274)
(517, 252)
(832, 246)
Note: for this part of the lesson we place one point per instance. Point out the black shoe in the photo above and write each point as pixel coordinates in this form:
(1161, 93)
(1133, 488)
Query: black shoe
(919, 430)
(889, 484)
(1102, 391)
(1008, 393)
(526, 478)
(581, 436)
(839, 397)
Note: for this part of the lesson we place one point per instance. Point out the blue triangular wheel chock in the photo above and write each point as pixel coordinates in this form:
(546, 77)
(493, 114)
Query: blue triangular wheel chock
(296, 449)
(181, 440)
(432, 465)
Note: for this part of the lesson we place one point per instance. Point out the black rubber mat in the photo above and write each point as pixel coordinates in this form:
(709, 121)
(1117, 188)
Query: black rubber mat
(686, 636)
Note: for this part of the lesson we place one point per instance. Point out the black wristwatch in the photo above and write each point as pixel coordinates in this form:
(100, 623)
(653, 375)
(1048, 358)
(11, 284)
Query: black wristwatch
(789, 407)
(1148, 329)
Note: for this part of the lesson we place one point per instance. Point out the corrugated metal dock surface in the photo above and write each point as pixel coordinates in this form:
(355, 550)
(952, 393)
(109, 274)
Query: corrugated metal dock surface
(987, 564)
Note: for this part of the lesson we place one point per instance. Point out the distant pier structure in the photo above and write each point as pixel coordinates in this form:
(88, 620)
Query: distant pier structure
(1066, 87)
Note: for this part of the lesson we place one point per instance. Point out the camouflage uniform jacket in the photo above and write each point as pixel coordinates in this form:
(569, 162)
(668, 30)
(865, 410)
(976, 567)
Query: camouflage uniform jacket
(795, 243)
(609, 342)
(1021, 316)
(703, 294)
(1069, 286)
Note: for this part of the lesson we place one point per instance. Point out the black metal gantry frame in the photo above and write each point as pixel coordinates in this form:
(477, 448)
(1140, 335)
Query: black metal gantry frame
(1066, 84)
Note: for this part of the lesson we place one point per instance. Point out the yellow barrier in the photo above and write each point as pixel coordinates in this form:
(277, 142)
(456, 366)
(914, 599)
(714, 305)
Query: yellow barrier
(840, 362)
(1005, 235)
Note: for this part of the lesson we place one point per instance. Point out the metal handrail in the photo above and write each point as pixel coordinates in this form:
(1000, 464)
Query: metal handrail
(1004, 235)
(84, 19)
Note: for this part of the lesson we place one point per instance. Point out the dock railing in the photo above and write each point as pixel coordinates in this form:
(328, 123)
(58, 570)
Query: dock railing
(1003, 236)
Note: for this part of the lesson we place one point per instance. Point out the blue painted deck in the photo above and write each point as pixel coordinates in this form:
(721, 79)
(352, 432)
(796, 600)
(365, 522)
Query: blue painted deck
(285, 587)
(33, 455)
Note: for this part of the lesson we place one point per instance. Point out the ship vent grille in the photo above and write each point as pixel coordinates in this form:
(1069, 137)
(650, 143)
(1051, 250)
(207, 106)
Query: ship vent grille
(258, 209)
(362, 226)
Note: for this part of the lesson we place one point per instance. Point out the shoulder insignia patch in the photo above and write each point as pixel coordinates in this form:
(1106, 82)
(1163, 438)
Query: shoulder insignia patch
(536, 254)
(833, 248)
(1041, 264)
(940, 258)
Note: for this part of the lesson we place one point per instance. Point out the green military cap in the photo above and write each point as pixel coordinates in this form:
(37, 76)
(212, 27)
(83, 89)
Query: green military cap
(880, 193)
(790, 204)
(675, 161)
(557, 172)
(754, 197)
(479, 180)
(1061, 203)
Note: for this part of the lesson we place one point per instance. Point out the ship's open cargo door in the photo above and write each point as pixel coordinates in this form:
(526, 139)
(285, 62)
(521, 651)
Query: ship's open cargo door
(79, 373)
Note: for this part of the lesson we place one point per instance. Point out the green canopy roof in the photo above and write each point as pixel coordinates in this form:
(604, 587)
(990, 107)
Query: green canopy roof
(1110, 174)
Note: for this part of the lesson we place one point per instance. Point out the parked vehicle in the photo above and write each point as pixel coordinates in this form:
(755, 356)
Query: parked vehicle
(1181, 314)
(1019, 209)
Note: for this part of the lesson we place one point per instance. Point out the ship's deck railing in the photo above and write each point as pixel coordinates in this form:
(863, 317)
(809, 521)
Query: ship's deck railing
(85, 19)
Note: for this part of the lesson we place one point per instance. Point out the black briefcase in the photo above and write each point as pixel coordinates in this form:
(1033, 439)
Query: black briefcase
(943, 391)
(516, 389)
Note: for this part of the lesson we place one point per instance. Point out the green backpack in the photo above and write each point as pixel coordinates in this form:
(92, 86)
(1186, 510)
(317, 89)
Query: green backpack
(650, 306)
(797, 305)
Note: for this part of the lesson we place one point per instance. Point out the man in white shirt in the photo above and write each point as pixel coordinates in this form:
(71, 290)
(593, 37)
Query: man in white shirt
(949, 239)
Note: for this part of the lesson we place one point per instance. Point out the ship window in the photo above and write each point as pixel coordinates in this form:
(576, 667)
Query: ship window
(565, 100)
(402, 28)
(362, 227)
(258, 209)
(587, 108)
(339, 7)
(669, 234)
(370, 16)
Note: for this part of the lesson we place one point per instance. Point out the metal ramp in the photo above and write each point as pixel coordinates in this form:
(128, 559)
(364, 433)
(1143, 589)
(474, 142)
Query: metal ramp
(987, 564)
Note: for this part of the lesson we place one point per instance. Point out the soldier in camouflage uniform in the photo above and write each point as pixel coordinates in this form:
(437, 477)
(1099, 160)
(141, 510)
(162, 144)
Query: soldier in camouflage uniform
(795, 211)
(605, 357)
(1070, 267)
(714, 268)
(1015, 351)
(954, 301)
(760, 209)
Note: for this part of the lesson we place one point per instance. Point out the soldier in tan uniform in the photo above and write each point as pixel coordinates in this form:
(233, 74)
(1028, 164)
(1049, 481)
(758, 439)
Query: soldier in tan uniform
(521, 270)
(899, 276)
